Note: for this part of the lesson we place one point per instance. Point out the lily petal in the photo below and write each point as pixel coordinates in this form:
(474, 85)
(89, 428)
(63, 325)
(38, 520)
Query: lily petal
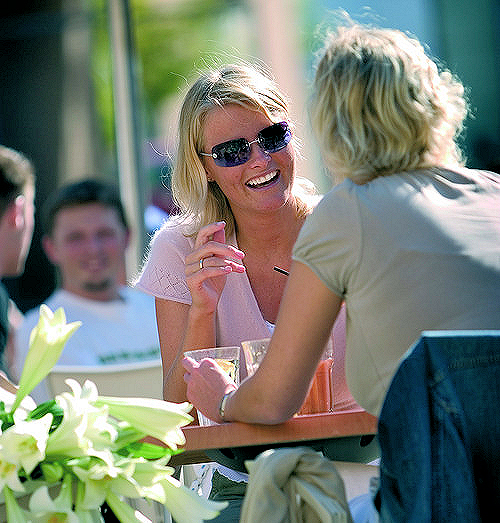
(154, 417)
(8, 473)
(125, 513)
(13, 510)
(47, 340)
(186, 506)
(25, 442)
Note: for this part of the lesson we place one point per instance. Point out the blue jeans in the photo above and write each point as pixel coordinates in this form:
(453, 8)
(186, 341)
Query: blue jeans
(439, 431)
(224, 489)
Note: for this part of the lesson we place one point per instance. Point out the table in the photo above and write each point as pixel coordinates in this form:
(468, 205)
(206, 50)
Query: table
(341, 436)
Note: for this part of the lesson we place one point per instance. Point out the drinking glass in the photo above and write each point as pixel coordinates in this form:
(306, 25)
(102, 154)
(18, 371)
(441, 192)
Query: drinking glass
(228, 358)
(253, 352)
(320, 395)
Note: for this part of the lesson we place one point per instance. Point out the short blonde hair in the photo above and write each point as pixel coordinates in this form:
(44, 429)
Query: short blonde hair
(201, 202)
(381, 106)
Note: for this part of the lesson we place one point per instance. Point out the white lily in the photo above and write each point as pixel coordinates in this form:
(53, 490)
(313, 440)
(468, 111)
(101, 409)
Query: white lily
(125, 513)
(85, 429)
(25, 442)
(9, 471)
(154, 417)
(186, 506)
(96, 444)
(89, 516)
(48, 510)
(145, 481)
(96, 478)
(47, 341)
(26, 406)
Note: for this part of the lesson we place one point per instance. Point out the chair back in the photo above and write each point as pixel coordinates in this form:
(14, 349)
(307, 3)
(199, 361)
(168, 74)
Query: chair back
(439, 430)
(141, 379)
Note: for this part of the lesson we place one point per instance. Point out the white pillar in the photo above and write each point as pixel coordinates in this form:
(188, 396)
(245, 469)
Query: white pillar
(126, 135)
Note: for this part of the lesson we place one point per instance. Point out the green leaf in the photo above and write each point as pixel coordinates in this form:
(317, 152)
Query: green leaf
(48, 407)
(146, 451)
(7, 420)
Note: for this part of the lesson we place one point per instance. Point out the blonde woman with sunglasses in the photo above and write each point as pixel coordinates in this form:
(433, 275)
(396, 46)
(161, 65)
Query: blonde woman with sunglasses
(241, 209)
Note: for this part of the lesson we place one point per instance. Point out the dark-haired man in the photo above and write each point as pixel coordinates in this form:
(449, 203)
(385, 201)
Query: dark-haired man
(85, 237)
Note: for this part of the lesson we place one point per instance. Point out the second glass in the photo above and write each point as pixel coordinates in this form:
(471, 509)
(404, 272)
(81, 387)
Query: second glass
(320, 395)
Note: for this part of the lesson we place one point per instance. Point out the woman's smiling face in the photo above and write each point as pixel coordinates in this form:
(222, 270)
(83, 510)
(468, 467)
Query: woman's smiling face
(264, 182)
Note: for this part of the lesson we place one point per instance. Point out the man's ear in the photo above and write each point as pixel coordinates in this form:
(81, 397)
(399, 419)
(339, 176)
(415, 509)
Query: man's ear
(15, 212)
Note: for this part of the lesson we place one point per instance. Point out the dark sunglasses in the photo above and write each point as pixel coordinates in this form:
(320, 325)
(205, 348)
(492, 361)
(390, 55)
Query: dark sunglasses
(236, 152)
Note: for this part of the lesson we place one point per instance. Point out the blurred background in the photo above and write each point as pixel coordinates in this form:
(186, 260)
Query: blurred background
(92, 87)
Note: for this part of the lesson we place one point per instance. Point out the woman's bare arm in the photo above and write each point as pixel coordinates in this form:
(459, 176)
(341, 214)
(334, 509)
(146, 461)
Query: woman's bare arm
(179, 330)
(183, 327)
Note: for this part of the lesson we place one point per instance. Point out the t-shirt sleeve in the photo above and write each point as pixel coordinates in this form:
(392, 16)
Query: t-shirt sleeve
(329, 241)
(22, 341)
(163, 272)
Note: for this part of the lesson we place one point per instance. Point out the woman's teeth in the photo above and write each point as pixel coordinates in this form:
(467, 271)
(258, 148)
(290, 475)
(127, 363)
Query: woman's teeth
(254, 182)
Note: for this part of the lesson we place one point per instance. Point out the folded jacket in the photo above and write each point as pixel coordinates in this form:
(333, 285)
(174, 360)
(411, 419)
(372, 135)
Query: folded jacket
(292, 485)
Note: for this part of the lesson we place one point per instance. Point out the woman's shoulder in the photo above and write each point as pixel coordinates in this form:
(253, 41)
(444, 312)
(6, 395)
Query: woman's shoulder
(336, 210)
(484, 178)
(173, 231)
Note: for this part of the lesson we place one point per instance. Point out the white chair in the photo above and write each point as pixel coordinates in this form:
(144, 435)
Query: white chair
(142, 379)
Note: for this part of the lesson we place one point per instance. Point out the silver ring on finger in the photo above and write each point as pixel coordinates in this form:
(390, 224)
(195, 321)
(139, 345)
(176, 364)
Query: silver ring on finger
(201, 263)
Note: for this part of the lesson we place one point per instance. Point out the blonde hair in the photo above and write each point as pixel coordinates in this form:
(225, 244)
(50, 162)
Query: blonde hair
(381, 106)
(201, 202)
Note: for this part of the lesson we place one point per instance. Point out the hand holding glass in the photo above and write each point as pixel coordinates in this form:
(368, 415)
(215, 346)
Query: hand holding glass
(228, 359)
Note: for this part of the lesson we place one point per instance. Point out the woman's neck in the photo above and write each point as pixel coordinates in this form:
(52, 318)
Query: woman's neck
(267, 240)
(276, 230)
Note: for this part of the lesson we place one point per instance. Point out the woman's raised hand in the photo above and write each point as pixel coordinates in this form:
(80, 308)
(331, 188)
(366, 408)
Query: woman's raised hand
(208, 265)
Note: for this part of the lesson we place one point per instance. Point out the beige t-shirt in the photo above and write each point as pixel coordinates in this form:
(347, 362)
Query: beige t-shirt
(407, 252)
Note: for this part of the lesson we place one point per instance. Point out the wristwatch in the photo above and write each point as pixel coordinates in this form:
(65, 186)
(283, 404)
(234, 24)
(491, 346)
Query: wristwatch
(223, 402)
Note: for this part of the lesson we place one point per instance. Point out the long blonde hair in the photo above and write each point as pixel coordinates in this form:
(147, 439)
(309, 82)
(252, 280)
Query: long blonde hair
(201, 202)
(380, 105)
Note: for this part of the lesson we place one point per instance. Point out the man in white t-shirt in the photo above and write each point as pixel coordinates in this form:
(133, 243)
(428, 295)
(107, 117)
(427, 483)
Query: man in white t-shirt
(85, 237)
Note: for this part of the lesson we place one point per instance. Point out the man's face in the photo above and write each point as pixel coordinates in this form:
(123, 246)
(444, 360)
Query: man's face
(88, 245)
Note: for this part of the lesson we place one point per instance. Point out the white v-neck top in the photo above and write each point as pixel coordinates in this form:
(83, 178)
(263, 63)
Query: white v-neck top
(238, 315)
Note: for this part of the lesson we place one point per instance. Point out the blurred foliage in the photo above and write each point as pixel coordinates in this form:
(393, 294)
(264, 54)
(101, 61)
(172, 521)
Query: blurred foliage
(170, 37)
(101, 69)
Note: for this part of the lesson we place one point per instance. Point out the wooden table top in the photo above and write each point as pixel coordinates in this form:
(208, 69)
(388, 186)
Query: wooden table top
(298, 429)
